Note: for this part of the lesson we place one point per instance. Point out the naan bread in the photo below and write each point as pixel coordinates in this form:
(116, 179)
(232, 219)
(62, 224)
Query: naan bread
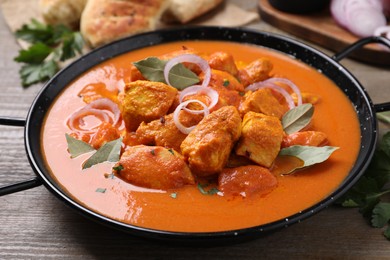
(104, 21)
(67, 12)
(186, 10)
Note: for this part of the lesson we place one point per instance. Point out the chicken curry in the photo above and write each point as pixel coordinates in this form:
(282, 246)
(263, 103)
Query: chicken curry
(200, 136)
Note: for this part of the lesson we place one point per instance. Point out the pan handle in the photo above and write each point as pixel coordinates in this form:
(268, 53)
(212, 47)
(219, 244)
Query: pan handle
(357, 45)
(22, 185)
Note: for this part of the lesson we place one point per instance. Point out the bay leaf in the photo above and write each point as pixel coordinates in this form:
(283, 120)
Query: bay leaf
(310, 155)
(180, 77)
(77, 147)
(152, 68)
(297, 118)
(109, 152)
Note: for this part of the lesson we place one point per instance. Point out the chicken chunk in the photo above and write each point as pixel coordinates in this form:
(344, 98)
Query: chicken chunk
(255, 71)
(208, 146)
(261, 138)
(262, 101)
(246, 180)
(223, 61)
(163, 131)
(154, 167)
(144, 101)
(311, 138)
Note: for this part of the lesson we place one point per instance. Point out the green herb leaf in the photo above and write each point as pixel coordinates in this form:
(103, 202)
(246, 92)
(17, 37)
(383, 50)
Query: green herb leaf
(369, 192)
(101, 190)
(152, 68)
(380, 214)
(72, 45)
(297, 118)
(36, 32)
(211, 191)
(173, 195)
(77, 147)
(35, 54)
(118, 168)
(180, 77)
(50, 45)
(310, 155)
(109, 152)
(33, 73)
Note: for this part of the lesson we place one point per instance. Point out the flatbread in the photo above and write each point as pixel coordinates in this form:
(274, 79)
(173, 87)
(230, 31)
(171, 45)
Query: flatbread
(185, 11)
(104, 21)
(67, 12)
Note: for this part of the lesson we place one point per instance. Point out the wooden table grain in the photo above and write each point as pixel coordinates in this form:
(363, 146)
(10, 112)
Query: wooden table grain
(36, 225)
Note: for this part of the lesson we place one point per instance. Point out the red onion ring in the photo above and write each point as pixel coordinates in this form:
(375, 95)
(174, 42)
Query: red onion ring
(282, 91)
(98, 108)
(182, 128)
(211, 93)
(107, 104)
(76, 119)
(190, 58)
(289, 83)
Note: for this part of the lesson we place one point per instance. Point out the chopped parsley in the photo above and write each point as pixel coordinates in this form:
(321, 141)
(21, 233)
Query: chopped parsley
(212, 191)
(101, 190)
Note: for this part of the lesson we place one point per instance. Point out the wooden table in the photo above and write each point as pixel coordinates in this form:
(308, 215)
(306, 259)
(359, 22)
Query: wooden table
(34, 224)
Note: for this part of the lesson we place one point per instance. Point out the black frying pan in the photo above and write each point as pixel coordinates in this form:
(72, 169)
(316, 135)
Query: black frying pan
(329, 66)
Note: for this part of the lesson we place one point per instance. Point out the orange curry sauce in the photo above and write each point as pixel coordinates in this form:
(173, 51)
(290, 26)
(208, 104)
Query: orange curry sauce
(190, 210)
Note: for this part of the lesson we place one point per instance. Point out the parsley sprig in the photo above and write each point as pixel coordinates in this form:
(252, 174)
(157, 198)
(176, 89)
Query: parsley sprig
(369, 193)
(49, 45)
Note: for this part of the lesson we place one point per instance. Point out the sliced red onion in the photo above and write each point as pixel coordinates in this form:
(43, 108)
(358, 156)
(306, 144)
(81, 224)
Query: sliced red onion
(176, 113)
(361, 17)
(190, 58)
(107, 104)
(76, 120)
(98, 108)
(289, 83)
(273, 86)
(197, 89)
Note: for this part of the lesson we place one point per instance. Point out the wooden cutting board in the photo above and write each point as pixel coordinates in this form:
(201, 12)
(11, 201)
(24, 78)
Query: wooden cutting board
(320, 28)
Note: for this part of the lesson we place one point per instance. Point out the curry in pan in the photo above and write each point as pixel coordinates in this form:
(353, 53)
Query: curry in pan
(200, 136)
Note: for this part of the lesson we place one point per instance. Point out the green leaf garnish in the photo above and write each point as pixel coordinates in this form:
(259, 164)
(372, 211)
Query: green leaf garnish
(212, 191)
(37, 53)
(380, 214)
(152, 68)
(118, 168)
(297, 118)
(34, 73)
(226, 83)
(180, 77)
(77, 147)
(49, 46)
(101, 190)
(109, 152)
(173, 195)
(309, 155)
(370, 193)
